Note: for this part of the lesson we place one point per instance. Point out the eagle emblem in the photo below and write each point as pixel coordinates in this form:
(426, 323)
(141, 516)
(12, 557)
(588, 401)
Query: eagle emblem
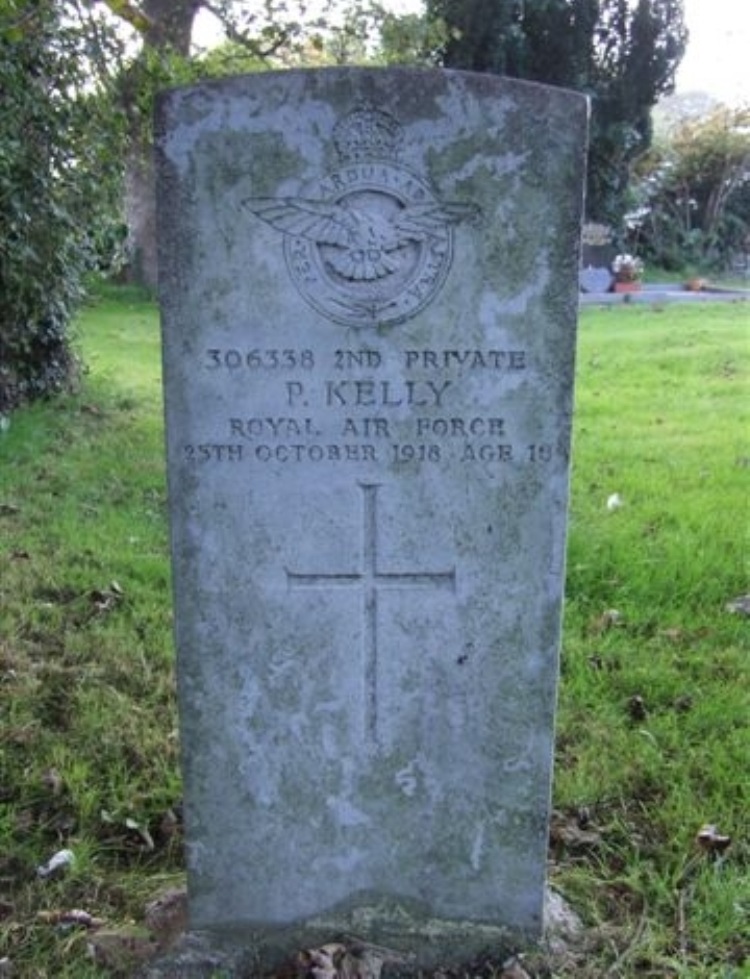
(369, 244)
(362, 246)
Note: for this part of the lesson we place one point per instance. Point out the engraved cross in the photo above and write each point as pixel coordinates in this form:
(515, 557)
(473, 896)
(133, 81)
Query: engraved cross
(371, 579)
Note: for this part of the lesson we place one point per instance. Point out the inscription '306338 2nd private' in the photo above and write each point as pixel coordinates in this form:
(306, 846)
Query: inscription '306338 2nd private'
(313, 424)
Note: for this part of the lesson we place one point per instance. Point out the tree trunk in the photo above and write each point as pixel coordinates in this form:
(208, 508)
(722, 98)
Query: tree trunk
(170, 28)
(171, 24)
(140, 214)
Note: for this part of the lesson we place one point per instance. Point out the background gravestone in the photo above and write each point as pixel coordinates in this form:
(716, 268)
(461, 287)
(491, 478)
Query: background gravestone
(597, 253)
(369, 293)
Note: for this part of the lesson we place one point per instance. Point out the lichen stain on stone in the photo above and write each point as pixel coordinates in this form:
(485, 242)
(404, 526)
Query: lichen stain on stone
(261, 163)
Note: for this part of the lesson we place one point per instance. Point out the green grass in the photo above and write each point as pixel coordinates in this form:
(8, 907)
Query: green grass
(661, 420)
(652, 732)
(89, 745)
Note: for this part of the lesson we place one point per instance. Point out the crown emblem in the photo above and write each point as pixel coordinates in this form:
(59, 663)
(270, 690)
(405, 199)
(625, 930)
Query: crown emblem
(367, 133)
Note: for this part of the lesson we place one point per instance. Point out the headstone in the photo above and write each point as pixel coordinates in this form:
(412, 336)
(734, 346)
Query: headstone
(595, 279)
(369, 285)
(597, 246)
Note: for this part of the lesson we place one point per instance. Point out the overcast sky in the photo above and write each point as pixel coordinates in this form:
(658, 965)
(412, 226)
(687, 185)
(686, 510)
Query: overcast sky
(718, 54)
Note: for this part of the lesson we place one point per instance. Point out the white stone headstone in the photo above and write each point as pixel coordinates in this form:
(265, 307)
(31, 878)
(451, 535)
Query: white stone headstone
(369, 285)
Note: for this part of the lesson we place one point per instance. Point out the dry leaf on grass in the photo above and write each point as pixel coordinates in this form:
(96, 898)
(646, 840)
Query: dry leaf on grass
(683, 703)
(122, 949)
(105, 599)
(53, 781)
(573, 832)
(711, 840)
(57, 863)
(674, 634)
(637, 708)
(512, 969)
(140, 832)
(354, 960)
(74, 918)
(739, 605)
(606, 621)
(167, 915)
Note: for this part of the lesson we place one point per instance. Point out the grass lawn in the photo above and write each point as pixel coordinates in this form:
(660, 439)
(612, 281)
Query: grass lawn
(653, 740)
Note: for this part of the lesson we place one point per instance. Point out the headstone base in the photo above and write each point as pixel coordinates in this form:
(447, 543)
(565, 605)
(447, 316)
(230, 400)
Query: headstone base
(240, 955)
(393, 928)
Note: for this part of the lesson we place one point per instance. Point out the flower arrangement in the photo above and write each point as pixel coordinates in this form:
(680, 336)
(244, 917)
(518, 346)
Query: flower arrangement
(627, 268)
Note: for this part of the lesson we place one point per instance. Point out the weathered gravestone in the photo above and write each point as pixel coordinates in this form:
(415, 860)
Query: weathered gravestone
(369, 289)
(597, 254)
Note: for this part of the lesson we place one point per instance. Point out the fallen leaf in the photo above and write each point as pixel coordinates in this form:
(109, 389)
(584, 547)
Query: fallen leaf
(73, 918)
(637, 708)
(166, 915)
(606, 621)
(140, 831)
(573, 832)
(53, 781)
(710, 839)
(57, 863)
(598, 662)
(355, 960)
(170, 824)
(122, 949)
(674, 635)
(104, 600)
(739, 605)
(512, 969)
(25, 820)
(323, 962)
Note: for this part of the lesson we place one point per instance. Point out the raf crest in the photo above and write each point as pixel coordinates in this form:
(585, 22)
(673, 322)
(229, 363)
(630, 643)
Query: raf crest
(368, 244)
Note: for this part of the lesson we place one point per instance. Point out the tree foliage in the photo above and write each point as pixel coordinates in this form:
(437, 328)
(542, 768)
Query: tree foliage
(162, 34)
(51, 190)
(693, 192)
(622, 53)
(408, 38)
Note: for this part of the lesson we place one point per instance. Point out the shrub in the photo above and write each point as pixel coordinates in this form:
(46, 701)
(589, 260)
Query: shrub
(693, 193)
(50, 193)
